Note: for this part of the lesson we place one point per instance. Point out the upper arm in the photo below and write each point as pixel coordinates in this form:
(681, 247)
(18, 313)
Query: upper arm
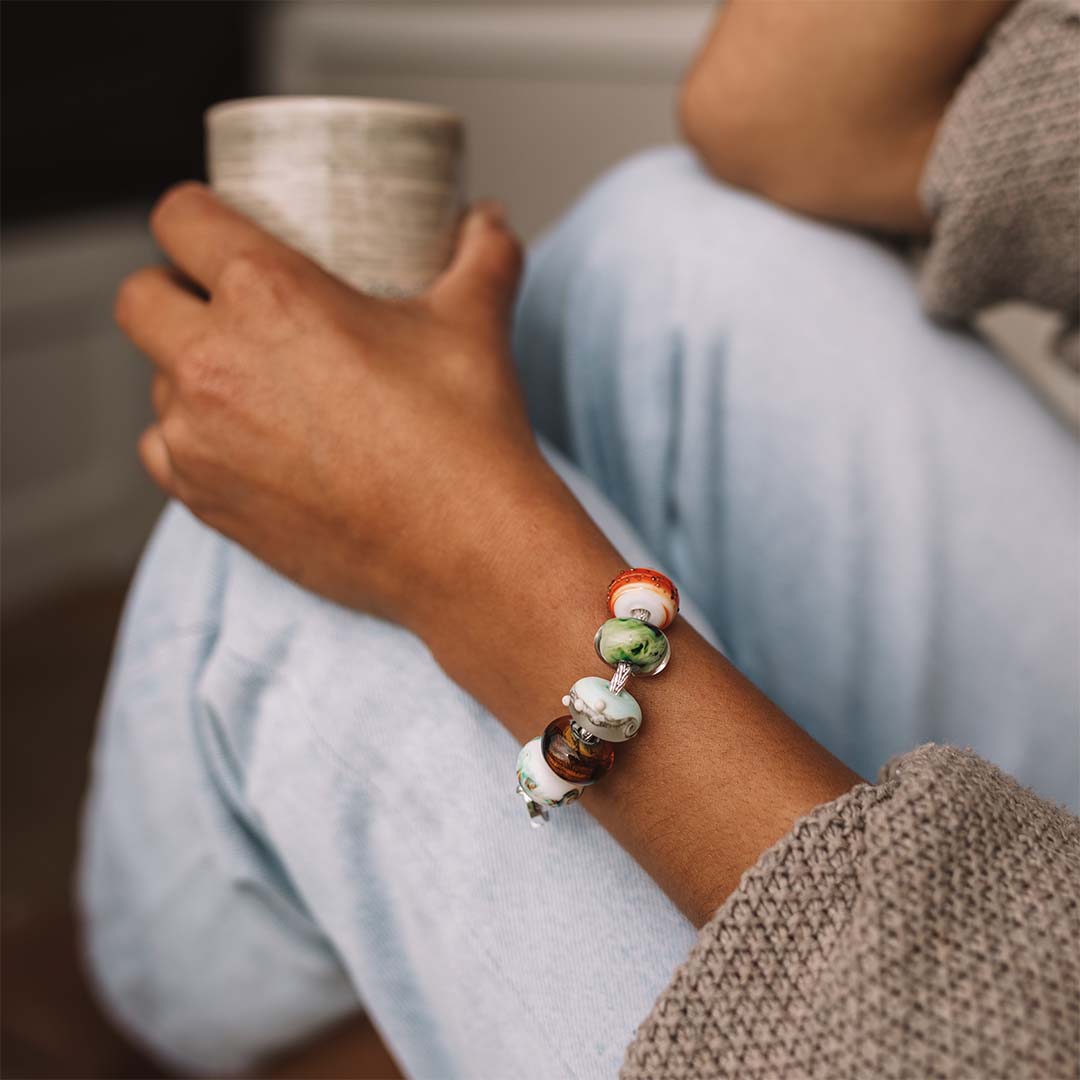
(830, 106)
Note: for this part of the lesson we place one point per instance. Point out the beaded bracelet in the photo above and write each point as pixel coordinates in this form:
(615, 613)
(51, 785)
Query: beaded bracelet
(577, 750)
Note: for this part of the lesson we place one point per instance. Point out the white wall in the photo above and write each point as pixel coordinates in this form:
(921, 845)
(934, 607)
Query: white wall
(552, 93)
(75, 504)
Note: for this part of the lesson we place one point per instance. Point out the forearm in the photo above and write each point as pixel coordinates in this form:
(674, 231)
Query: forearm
(717, 773)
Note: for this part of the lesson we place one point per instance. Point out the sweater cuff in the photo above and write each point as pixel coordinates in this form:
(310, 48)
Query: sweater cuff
(894, 931)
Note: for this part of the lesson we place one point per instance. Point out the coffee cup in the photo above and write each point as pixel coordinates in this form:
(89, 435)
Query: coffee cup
(370, 189)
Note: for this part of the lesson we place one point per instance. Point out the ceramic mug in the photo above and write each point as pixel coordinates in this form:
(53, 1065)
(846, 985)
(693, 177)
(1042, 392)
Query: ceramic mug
(369, 189)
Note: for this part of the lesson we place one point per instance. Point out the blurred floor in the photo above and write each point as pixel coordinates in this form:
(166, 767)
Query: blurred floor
(54, 658)
(54, 661)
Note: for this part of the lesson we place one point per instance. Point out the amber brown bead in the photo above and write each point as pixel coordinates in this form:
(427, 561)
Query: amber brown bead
(572, 758)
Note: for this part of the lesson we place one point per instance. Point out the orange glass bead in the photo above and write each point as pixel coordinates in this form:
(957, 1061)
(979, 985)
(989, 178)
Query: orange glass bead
(643, 590)
(572, 758)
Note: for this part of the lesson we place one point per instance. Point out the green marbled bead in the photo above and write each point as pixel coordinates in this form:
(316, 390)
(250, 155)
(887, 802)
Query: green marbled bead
(634, 642)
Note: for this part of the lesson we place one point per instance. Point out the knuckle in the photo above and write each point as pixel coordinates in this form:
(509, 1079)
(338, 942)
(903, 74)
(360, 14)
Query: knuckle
(177, 438)
(178, 199)
(193, 464)
(145, 449)
(502, 250)
(128, 299)
(155, 461)
(507, 262)
(255, 276)
(512, 253)
(201, 371)
(159, 396)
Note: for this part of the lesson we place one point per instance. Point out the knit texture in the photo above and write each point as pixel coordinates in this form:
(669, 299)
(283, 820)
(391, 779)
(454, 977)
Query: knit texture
(927, 926)
(1002, 187)
(1002, 183)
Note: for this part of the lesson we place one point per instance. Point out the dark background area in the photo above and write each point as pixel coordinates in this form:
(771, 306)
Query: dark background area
(98, 98)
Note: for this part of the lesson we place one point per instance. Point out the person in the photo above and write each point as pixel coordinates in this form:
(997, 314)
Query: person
(373, 584)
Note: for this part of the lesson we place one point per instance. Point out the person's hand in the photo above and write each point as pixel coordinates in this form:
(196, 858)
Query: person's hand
(365, 448)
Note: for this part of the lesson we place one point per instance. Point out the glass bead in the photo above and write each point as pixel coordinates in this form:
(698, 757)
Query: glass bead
(571, 757)
(595, 709)
(539, 781)
(633, 642)
(642, 589)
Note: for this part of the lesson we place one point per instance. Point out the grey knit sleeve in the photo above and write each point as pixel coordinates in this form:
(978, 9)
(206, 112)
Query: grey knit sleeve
(1002, 183)
(925, 926)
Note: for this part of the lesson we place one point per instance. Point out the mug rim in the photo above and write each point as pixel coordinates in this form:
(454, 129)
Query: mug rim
(329, 103)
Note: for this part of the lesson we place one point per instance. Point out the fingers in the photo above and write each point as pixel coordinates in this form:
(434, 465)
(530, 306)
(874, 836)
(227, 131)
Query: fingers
(161, 394)
(154, 455)
(483, 276)
(202, 235)
(160, 315)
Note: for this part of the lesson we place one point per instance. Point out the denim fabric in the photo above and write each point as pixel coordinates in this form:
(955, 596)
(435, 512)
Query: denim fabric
(293, 810)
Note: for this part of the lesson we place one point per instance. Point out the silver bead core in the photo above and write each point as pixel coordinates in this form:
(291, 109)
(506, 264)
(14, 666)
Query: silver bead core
(587, 737)
(537, 814)
(621, 677)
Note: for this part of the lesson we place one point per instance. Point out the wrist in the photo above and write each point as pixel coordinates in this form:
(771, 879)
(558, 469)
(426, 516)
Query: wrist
(506, 617)
(717, 773)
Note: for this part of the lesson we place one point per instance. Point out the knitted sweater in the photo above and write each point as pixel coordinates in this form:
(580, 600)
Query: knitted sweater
(927, 926)
(1002, 187)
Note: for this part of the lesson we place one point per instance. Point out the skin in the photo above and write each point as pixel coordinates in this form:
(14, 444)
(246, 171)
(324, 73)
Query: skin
(830, 107)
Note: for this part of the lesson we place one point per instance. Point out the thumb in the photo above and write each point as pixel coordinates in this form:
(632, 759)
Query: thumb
(482, 279)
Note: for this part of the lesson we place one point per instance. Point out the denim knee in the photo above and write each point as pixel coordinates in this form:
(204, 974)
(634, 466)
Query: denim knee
(661, 239)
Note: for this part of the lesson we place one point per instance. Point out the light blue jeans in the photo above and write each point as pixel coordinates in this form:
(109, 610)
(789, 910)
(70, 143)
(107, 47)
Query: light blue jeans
(872, 513)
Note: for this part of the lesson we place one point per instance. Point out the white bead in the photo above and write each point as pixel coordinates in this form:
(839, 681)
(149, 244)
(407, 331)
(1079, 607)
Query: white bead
(595, 709)
(630, 598)
(537, 779)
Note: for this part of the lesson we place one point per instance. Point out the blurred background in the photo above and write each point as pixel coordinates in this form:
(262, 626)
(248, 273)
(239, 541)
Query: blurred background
(102, 109)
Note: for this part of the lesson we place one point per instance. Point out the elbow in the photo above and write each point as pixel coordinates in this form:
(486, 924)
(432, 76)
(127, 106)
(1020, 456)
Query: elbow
(700, 131)
(690, 108)
(728, 135)
(830, 167)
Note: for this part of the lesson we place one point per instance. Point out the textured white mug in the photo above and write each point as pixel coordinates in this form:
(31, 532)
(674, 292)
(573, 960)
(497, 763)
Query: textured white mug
(369, 189)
